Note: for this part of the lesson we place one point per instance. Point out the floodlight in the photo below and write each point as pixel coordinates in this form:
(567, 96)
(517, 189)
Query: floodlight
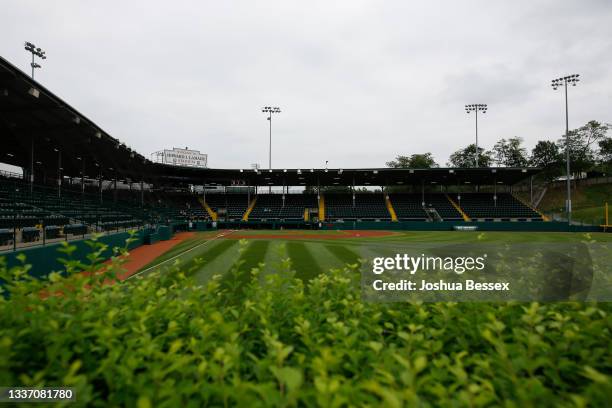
(556, 83)
(35, 51)
(476, 107)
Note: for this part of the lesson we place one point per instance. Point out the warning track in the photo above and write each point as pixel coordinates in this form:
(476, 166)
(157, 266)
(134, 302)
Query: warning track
(343, 234)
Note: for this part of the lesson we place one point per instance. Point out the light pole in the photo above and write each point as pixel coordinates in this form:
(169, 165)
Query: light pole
(477, 107)
(36, 51)
(270, 110)
(556, 83)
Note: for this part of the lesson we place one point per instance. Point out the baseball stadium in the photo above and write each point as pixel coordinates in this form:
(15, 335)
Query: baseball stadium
(135, 281)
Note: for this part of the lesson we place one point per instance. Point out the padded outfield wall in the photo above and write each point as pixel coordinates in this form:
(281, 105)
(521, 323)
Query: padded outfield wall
(45, 259)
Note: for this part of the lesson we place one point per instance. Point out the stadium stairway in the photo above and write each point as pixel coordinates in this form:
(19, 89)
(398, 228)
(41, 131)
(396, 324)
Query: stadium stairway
(458, 208)
(321, 208)
(390, 208)
(245, 217)
(211, 213)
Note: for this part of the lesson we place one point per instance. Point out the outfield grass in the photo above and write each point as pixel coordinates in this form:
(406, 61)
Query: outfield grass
(204, 255)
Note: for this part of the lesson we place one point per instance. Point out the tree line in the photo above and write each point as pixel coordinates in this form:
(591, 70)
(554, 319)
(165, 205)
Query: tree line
(590, 149)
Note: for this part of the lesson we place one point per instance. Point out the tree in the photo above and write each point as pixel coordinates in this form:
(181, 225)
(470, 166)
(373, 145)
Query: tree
(415, 161)
(510, 153)
(605, 150)
(465, 157)
(546, 156)
(581, 143)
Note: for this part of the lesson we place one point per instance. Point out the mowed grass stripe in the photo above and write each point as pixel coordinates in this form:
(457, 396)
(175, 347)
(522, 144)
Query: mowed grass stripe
(194, 261)
(219, 263)
(201, 259)
(277, 252)
(179, 248)
(254, 254)
(302, 261)
(240, 273)
(344, 254)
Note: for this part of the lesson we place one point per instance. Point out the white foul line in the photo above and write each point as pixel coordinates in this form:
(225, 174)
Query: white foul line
(182, 253)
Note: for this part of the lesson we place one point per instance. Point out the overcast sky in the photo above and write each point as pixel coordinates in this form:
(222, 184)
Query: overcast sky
(358, 82)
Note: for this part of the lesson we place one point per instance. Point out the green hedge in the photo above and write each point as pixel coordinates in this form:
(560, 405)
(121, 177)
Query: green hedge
(255, 340)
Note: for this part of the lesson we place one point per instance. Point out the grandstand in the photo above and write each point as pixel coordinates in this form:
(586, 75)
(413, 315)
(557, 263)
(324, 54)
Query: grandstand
(502, 206)
(362, 206)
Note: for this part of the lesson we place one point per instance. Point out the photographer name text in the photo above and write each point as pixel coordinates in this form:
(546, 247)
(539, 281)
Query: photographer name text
(441, 285)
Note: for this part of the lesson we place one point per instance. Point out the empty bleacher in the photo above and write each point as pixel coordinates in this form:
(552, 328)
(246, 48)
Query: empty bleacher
(289, 207)
(231, 206)
(366, 206)
(177, 207)
(23, 207)
(483, 206)
(443, 206)
(408, 207)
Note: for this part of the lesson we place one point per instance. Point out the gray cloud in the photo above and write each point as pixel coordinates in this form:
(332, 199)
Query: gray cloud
(358, 81)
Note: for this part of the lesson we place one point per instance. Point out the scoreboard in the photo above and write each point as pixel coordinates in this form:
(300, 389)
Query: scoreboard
(181, 157)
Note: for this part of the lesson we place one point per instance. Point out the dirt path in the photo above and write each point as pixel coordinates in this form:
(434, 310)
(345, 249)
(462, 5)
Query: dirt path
(342, 234)
(145, 254)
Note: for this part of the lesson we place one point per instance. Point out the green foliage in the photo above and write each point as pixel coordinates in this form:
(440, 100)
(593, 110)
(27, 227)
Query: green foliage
(415, 161)
(582, 141)
(546, 156)
(465, 158)
(605, 150)
(510, 153)
(276, 340)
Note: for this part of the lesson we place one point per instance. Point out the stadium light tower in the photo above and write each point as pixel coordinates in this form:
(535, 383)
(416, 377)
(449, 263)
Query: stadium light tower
(270, 110)
(476, 107)
(556, 83)
(36, 51)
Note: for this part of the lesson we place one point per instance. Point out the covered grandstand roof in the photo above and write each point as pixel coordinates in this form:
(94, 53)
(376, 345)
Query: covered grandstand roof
(37, 126)
(358, 177)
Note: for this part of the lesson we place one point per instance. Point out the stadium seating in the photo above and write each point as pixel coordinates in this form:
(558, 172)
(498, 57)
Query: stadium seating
(506, 207)
(443, 206)
(295, 204)
(408, 207)
(289, 207)
(231, 206)
(25, 208)
(366, 206)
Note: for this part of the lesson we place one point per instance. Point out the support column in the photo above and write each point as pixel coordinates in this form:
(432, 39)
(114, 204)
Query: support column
(32, 165)
(59, 173)
(458, 194)
(495, 192)
(83, 179)
(423, 193)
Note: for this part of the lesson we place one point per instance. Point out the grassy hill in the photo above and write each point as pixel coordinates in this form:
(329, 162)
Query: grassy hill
(587, 202)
